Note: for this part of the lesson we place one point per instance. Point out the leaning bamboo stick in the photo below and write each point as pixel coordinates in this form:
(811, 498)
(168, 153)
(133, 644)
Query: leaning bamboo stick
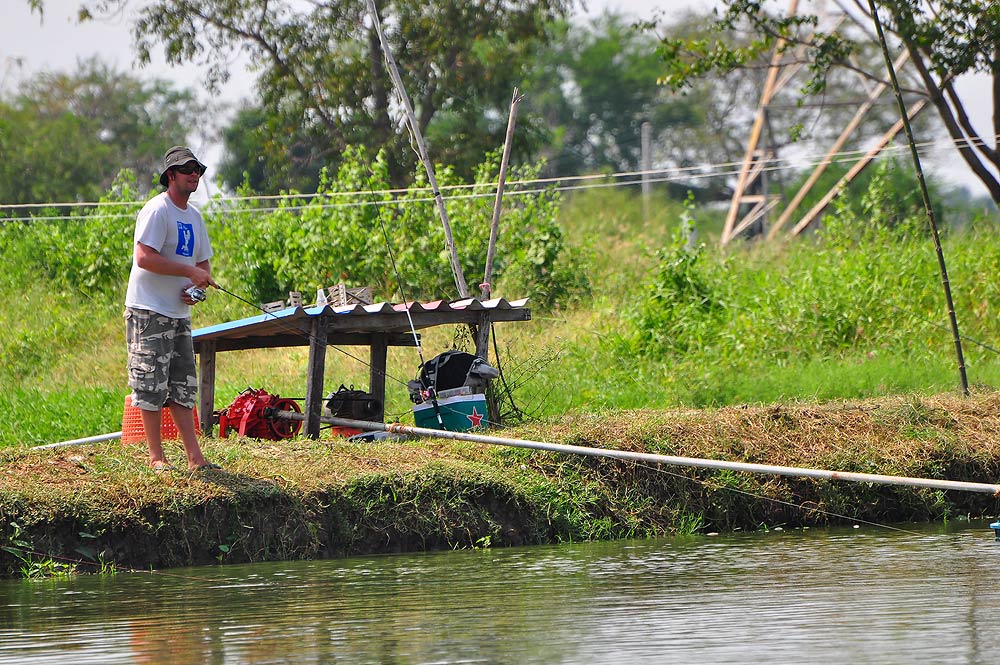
(397, 81)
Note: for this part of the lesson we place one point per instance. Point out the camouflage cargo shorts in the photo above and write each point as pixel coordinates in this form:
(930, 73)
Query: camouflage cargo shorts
(161, 365)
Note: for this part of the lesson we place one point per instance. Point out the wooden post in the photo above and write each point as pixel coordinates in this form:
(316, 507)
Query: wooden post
(376, 365)
(206, 392)
(314, 380)
(645, 144)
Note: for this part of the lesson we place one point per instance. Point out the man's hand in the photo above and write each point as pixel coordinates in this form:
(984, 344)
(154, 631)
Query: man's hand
(192, 294)
(201, 278)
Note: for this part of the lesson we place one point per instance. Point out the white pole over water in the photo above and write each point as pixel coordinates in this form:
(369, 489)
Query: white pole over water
(696, 462)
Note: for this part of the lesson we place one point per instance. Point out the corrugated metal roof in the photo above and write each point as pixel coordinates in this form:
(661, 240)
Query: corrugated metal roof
(379, 317)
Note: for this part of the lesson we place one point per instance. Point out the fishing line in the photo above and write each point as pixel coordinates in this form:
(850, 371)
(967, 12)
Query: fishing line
(508, 391)
(402, 294)
(965, 338)
(395, 268)
(711, 485)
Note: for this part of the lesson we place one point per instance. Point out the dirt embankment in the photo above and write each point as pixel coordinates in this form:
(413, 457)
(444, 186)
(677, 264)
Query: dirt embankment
(99, 505)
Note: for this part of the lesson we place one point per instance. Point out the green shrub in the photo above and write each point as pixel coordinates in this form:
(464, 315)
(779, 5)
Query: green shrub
(345, 235)
(87, 252)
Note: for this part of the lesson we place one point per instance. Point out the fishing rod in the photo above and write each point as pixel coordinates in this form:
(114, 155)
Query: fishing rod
(925, 197)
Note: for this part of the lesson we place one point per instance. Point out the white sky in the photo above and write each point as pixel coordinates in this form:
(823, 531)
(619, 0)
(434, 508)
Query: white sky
(57, 42)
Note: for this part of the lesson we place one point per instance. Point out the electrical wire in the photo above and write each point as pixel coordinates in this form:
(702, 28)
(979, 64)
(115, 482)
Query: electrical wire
(684, 174)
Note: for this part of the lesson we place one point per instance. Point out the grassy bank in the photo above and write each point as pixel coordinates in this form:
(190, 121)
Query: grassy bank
(99, 508)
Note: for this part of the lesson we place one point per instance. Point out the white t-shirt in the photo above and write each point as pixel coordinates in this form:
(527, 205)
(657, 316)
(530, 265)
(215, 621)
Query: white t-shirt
(176, 234)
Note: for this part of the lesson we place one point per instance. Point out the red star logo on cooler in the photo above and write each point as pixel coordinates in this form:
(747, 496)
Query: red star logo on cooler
(475, 417)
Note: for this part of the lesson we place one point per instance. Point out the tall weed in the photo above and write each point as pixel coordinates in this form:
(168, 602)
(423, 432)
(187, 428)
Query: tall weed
(851, 289)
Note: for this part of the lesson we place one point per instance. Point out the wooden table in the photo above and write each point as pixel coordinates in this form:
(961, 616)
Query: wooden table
(377, 326)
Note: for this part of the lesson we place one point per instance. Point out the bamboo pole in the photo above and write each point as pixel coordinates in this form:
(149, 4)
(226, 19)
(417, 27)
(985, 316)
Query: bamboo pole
(832, 152)
(481, 331)
(858, 167)
(652, 458)
(925, 195)
(744, 179)
(487, 288)
(411, 118)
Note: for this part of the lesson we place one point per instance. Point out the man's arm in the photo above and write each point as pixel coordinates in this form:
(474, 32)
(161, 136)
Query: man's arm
(149, 259)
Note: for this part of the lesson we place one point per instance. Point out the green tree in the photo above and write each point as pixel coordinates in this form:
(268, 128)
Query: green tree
(322, 72)
(595, 84)
(944, 39)
(591, 89)
(246, 159)
(65, 137)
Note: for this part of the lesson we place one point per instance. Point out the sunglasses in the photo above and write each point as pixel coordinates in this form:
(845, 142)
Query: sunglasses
(189, 168)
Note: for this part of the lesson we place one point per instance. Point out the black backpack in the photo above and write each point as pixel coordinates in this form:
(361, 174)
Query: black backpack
(453, 369)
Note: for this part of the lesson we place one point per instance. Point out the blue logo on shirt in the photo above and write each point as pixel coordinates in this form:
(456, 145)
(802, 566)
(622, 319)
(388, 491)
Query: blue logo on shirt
(185, 239)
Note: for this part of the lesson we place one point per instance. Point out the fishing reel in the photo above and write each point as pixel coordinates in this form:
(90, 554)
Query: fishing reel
(196, 293)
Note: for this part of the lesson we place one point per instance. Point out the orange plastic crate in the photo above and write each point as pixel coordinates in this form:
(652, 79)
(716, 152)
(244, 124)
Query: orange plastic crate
(132, 431)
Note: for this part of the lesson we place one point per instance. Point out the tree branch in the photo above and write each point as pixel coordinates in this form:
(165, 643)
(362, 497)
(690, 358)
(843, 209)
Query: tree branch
(961, 141)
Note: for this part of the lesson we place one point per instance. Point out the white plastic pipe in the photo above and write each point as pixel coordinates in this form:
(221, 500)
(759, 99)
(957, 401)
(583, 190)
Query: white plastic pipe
(79, 442)
(697, 462)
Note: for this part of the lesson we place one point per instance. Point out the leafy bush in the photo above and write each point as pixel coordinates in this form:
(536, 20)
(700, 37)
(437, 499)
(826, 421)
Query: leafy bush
(346, 232)
(88, 251)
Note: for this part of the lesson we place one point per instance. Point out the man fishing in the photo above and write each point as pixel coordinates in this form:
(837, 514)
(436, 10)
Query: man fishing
(170, 270)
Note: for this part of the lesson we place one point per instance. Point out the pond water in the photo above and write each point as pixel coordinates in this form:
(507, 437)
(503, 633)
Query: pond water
(868, 595)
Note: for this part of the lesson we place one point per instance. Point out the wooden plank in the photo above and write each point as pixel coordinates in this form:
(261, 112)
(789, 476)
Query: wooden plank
(376, 381)
(314, 380)
(206, 392)
(282, 341)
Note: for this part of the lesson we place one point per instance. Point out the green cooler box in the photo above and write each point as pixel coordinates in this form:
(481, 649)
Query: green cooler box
(460, 413)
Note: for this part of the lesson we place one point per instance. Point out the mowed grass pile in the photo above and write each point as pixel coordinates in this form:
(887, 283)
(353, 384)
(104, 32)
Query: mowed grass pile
(854, 310)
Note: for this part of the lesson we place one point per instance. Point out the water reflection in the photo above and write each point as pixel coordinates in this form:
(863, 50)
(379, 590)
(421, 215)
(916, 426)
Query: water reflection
(856, 596)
